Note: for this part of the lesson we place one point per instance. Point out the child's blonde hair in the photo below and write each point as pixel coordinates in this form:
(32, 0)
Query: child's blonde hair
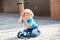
(29, 11)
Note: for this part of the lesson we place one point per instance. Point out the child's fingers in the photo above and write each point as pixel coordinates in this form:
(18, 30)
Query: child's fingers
(28, 26)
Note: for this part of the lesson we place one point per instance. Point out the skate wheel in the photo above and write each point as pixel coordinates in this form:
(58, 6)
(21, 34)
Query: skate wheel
(39, 31)
(18, 34)
(28, 35)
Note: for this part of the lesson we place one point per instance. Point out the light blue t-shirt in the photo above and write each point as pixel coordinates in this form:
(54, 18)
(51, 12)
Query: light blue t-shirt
(32, 23)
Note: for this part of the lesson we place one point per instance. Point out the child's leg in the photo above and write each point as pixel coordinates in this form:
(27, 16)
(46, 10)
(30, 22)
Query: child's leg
(28, 30)
(35, 32)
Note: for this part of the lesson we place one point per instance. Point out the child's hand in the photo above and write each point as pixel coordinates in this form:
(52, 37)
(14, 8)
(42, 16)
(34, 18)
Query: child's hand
(27, 25)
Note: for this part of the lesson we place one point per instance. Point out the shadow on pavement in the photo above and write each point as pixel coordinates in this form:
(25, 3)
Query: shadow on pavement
(13, 38)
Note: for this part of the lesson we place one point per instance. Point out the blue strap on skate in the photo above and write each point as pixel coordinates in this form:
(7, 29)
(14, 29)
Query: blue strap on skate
(24, 33)
(20, 33)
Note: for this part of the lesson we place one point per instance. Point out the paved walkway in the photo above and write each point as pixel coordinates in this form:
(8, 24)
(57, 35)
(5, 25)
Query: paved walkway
(47, 33)
(50, 28)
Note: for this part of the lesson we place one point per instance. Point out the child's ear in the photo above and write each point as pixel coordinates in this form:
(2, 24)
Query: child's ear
(31, 14)
(24, 14)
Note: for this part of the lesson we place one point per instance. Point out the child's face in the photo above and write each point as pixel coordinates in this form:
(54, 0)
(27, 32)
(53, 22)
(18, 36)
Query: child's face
(27, 16)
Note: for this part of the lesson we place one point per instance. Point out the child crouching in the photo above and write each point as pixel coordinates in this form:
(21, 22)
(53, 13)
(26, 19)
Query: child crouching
(32, 28)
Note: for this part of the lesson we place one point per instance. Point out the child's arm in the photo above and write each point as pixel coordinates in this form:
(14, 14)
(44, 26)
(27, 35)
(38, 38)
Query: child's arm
(20, 20)
(26, 23)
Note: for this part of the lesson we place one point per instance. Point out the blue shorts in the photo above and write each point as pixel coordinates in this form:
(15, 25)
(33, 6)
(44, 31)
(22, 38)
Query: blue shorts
(33, 32)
